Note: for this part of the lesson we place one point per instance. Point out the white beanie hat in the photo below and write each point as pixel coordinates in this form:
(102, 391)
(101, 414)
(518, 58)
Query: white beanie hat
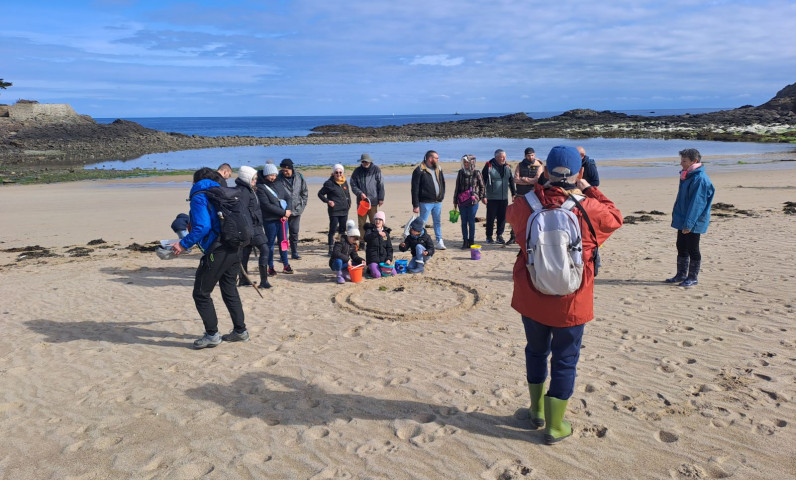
(270, 169)
(337, 167)
(351, 229)
(246, 173)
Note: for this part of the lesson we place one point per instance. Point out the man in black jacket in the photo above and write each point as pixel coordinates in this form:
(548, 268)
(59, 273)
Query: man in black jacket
(367, 185)
(589, 168)
(428, 191)
(293, 188)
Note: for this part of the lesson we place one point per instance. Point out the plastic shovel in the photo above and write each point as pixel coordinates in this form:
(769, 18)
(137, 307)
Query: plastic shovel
(285, 244)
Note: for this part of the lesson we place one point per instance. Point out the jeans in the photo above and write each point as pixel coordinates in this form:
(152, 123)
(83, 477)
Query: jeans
(336, 224)
(414, 266)
(436, 210)
(564, 345)
(337, 265)
(273, 231)
(496, 209)
(467, 217)
(220, 267)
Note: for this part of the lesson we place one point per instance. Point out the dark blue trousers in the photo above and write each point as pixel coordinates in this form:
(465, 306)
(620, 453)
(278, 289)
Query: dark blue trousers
(562, 345)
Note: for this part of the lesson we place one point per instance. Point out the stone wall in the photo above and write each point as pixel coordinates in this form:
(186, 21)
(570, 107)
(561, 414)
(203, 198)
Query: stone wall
(38, 111)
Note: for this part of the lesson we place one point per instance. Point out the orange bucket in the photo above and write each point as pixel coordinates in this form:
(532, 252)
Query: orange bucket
(364, 207)
(356, 273)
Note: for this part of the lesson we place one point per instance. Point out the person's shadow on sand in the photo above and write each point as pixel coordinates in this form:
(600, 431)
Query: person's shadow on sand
(153, 277)
(114, 332)
(249, 396)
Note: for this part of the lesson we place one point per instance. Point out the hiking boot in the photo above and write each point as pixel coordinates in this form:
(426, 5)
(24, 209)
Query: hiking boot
(500, 240)
(207, 341)
(440, 245)
(287, 269)
(512, 239)
(234, 336)
(465, 244)
(271, 271)
(243, 281)
(489, 240)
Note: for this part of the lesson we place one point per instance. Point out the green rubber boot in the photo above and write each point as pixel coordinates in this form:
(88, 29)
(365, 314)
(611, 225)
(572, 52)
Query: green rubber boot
(536, 412)
(557, 428)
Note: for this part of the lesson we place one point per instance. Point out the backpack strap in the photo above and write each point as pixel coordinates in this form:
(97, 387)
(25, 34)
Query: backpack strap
(576, 202)
(533, 201)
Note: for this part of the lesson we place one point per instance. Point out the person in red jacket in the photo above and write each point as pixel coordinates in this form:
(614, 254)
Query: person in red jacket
(554, 324)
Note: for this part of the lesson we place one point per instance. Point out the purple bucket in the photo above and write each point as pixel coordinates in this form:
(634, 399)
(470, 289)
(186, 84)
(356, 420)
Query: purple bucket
(475, 252)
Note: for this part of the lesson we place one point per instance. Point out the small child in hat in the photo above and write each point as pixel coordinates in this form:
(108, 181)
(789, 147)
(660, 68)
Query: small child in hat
(378, 244)
(344, 252)
(420, 244)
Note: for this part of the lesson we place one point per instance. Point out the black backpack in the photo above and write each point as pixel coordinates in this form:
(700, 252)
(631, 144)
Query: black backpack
(234, 217)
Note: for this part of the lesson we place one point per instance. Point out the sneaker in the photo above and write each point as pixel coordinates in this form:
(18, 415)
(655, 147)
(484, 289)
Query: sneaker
(465, 244)
(490, 241)
(234, 336)
(500, 240)
(295, 256)
(420, 261)
(287, 269)
(512, 240)
(440, 245)
(418, 269)
(271, 271)
(207, 341)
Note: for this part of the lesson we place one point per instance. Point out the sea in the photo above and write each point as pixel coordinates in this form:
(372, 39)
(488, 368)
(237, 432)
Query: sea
(724, 156)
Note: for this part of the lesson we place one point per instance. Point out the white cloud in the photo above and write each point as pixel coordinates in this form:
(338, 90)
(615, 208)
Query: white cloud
(440, 60)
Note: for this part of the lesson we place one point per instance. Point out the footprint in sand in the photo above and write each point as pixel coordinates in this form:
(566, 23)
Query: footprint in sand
(666, 437)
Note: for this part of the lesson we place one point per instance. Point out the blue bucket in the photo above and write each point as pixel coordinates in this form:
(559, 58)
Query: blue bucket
(400, 266)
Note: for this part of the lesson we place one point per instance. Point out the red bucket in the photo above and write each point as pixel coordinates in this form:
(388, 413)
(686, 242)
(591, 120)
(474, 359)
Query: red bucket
(356, 273)
(364, 207)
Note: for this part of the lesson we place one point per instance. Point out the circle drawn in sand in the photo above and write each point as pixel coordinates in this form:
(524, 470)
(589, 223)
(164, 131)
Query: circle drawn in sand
(407, 297)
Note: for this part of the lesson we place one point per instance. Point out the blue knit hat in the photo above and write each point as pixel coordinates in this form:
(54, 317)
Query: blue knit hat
(562, 156)
(417, 225)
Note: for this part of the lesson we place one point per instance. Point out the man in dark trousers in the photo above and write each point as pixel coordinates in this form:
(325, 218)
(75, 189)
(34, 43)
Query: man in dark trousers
(367, 184)
(218, 265)
(293, 188)
(498, 181)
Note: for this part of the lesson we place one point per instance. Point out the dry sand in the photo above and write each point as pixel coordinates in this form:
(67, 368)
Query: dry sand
(97, 379)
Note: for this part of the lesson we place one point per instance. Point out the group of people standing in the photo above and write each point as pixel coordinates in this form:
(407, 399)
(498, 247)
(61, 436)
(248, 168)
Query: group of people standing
(553, 324)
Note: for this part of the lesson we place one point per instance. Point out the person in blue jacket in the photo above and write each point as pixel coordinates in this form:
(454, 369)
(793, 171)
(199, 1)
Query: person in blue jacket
(218, 265)
(691, 216)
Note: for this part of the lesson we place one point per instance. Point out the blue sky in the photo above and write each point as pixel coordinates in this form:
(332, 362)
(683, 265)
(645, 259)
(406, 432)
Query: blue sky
(125, 58)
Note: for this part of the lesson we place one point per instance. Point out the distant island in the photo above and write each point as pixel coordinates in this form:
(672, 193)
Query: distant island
(35, 136)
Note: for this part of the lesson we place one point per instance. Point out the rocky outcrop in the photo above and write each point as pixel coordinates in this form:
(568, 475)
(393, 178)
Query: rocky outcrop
(40, 135)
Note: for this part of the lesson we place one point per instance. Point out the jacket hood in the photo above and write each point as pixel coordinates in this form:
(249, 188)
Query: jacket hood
(203, 184)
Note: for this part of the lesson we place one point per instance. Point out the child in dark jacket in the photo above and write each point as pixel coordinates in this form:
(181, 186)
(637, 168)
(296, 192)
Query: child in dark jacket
(420, 244)
(379, 245)
(344, 252)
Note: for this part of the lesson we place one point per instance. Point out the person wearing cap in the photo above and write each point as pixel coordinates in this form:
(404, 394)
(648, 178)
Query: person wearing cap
(378, 246)
(219, 264)
(468, 192)
(344, 252)
(498, 181)
(244, 184)
(528, 172)
(428, 191)
(589, 167)
(336, 194)
(691, 216)
(275, 213)
(367, 185)
(419, 243)
(293, 188)
(554, 324)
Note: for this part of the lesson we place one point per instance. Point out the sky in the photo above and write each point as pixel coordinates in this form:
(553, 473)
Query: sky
(126, 58)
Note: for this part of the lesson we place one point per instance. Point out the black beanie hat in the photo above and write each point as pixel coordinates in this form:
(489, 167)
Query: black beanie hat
(286, 163)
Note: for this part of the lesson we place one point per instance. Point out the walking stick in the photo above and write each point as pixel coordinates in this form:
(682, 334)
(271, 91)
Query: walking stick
(246, 276)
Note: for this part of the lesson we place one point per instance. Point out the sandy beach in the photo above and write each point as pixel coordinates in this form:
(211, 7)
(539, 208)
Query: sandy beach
(398, 378)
